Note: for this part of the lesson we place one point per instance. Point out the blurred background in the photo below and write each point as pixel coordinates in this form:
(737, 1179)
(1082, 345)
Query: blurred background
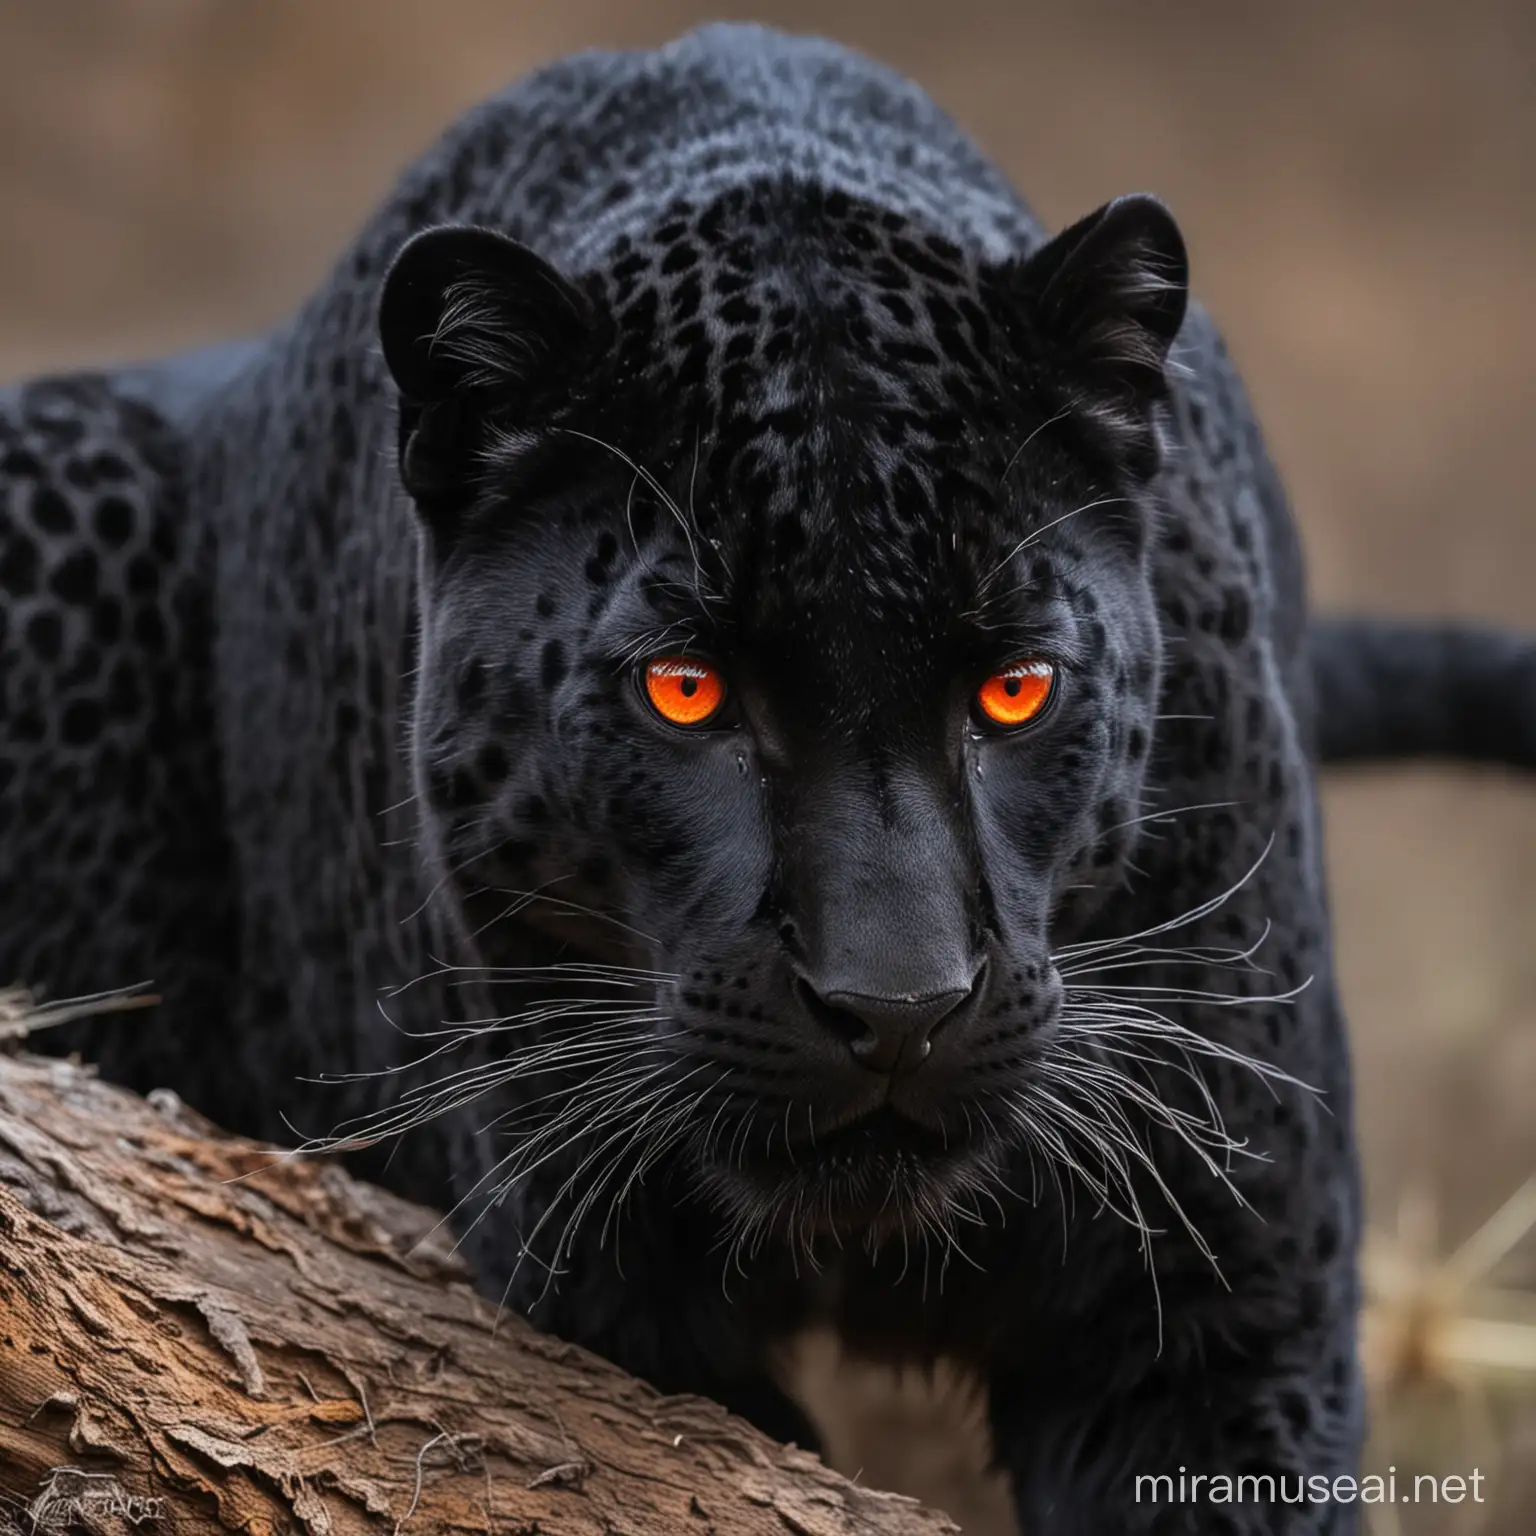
(1355, 180)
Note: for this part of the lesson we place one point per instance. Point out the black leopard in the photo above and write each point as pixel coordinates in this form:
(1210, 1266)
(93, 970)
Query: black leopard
(752, 716)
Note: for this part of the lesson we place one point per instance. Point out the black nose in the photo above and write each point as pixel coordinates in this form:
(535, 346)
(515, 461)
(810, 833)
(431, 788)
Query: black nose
(886, 1034)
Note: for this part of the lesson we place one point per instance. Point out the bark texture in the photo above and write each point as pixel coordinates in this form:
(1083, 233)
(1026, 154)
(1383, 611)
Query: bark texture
(198, 1335)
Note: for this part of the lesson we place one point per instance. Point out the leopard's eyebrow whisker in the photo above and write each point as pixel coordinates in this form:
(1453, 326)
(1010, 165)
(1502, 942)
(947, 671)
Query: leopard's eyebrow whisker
(684, 521)
(1035, 534)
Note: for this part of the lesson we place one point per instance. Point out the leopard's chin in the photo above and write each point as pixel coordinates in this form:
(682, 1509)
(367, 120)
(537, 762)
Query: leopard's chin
(880, 1175)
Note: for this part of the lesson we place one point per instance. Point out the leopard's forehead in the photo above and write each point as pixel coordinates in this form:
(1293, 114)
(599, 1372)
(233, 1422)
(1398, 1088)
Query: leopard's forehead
(834, 385)
(775, 297)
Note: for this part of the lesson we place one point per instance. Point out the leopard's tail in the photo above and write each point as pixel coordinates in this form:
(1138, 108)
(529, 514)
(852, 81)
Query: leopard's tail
(1390, 689)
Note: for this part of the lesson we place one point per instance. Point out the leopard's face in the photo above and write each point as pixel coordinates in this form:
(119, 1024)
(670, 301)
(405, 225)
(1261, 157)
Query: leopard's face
(788, 638)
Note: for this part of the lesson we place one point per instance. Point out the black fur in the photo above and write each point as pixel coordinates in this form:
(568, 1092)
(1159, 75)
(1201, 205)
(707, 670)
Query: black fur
(320, 680)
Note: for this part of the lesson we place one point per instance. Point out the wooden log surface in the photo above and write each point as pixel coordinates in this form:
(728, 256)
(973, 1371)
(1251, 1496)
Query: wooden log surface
(197, 1335)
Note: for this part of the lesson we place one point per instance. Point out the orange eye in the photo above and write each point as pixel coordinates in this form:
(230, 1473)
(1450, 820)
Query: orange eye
(684, 691)
(1017, 694)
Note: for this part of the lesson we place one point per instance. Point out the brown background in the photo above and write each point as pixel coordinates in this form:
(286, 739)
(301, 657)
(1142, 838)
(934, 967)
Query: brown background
(1355, 181)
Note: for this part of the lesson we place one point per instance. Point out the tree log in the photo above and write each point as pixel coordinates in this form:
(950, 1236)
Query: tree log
(197, 1334)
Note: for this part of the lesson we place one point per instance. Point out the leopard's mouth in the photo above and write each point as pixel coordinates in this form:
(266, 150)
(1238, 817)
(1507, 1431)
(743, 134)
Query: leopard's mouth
(875, 1174)
(883, 1136)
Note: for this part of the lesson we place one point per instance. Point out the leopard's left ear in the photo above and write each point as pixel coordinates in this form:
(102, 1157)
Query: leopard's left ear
(466, 309)
(1104, 301)
(476, 329)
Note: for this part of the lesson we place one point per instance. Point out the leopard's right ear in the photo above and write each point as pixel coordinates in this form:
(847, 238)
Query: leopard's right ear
(476, 330)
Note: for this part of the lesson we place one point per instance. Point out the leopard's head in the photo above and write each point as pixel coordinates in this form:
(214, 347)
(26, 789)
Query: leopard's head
(788, 641)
